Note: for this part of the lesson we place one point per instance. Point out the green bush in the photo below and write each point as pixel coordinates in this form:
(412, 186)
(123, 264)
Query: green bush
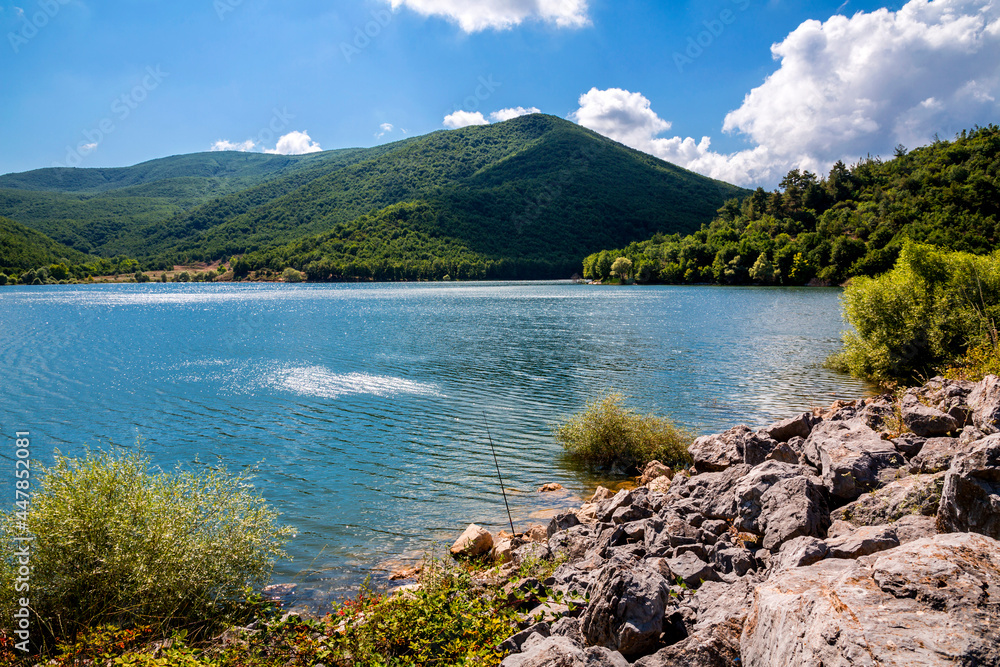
(118, 543)
(608, 435)
(290, 275)
(924, 313)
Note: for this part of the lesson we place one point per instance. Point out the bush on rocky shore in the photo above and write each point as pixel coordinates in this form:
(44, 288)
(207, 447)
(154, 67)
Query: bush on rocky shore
(609, 435)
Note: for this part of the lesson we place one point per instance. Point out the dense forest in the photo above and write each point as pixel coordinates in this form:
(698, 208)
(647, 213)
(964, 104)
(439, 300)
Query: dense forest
(826, 230)
(521, 199)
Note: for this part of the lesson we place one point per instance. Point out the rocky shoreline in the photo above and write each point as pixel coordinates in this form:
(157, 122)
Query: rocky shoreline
(865, 534)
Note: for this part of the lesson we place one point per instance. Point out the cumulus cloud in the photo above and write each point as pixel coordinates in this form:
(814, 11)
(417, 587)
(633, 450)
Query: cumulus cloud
(295, 143)
(464, 119)
(87, 148)
(501, 14)
(843, 88)
(226, 145)
(514, 112)
(384, 129)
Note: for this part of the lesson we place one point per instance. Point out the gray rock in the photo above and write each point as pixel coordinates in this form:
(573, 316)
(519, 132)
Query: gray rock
(714, 453)
(664, 534)
(690, 569)
(915, 527)
(626, 505)
(984, 401)
(914, 494)
(849, 456)
(800, 552)
(531, 551)
(568, 627)
(970, 500)
(785, 453)
(573, 543)
(941, 594)
(795, 427)
(878, 413)
(732, 561)
(559, 651)
(710, 494)
(937, 454)
(864, 541)
(562, 522)
(909, 444)
(514, 643)
(924, 420)
(627, 609)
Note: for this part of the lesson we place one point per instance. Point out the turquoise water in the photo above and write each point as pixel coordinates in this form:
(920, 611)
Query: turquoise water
(362, 405)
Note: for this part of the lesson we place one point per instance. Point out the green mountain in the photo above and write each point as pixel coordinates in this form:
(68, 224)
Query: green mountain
(530, 195)
(23, 249)
(853, 222)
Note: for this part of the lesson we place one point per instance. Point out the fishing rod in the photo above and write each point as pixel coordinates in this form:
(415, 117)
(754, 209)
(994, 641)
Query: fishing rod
(497, 462)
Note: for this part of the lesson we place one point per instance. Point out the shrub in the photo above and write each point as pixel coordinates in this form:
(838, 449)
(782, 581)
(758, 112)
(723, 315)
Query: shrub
(117, 543)
(3, 278)
(290, 275)
(608, 435)
(925, 312)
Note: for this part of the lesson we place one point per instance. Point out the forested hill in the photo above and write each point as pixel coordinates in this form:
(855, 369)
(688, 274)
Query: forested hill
(523, 198)
(853, 222)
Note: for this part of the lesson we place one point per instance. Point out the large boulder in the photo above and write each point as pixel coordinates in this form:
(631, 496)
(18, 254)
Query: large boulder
(942, 595)
(780, 501)
(849, 456)
(913, 494)
(924, 420)
(628, 604)
(475, 541)
(719, 451)
(864, 541)
(795, 427)
(559, 651)
(970, 500)
(711, 493)
(936, 455)
(984, 401)
(690, 569)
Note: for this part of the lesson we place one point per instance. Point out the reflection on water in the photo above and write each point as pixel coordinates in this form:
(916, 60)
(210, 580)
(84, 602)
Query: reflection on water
(363, 404)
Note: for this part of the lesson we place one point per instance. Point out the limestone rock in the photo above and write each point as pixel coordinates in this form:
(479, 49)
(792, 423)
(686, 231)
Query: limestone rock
(659, 484)
(602, 493)
(779, 502)
(713, 453)
(984, 401)
(937, 454)
(653, 470)
(690, 569)
(914, 494)
(475, 541)
(924, 420)
(863, 542)
(941, 594)
(559, 651)
(800, 552)
(627, 608)
(970, 500)
(787, 429)
(537, 533)
(849, 456)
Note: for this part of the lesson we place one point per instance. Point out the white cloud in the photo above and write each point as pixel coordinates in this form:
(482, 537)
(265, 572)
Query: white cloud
(87, 148)
(464, 119)
(501, 14)
(226, 145)
(844, 88)
(514, 112)
(384, 129)
(295, 143)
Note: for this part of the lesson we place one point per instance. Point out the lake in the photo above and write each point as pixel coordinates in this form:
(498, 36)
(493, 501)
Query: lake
(363, 405)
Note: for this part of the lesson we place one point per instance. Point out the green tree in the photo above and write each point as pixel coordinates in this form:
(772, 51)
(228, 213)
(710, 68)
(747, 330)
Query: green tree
(602, 268)
(622, 267)
(762, 271)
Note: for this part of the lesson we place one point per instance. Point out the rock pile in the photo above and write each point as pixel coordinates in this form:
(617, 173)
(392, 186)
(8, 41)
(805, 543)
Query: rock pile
(862, 535)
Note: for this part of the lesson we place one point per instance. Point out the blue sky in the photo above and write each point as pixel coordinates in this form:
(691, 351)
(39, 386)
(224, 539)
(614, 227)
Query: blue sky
(98, 83)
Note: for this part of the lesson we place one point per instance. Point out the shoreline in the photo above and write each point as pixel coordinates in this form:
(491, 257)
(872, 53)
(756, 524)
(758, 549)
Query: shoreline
(732, 560)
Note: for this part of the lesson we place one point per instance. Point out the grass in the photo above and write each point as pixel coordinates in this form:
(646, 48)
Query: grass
(458, 616)
(609, 435)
